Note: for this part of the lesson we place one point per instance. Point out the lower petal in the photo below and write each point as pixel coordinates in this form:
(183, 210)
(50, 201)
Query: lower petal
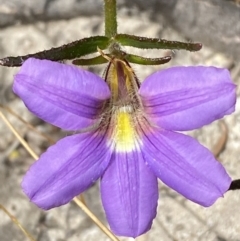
(186, 166)
(129, 194)
(66, 169)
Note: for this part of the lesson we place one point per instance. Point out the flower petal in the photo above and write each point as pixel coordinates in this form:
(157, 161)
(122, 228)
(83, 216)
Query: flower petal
(186, 166)
(129, 194)
(60, 94)
(66, 169)
(186, 98)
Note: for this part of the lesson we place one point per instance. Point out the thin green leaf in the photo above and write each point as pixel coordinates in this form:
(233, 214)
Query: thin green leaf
(154, 43)
(69, 51)
(147, 61)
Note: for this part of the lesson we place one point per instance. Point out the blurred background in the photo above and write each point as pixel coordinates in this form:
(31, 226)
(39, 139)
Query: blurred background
(29, 26)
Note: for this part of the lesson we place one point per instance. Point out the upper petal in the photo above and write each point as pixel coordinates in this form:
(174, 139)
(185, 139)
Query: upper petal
(63, 95)
(186, 98)
(66, 169)
(186, 166)
(129, 194)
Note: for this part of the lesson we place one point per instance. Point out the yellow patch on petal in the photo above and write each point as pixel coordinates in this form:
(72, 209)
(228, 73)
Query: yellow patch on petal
(124, 134)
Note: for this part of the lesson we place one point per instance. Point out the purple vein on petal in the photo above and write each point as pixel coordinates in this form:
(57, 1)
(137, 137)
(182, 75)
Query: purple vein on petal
(71, 101)
(67, 169)
(186, 166)
(129, 194)
(186, 98)
(190, 109)
(63, 95)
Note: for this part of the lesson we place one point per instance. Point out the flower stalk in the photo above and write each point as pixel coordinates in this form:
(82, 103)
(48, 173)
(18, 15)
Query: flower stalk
(110, 10)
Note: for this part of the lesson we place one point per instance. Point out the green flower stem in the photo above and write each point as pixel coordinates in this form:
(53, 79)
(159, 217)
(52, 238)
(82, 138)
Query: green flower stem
(154, 43)
(110, 9)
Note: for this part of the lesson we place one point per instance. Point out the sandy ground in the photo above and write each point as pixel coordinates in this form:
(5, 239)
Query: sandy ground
(177, 218)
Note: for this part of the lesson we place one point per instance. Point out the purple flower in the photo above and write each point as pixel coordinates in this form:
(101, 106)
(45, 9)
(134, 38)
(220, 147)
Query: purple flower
(127, 137)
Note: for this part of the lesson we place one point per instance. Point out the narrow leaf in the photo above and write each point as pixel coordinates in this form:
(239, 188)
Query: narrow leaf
(154, 43)
(146, 61)
(72, 50)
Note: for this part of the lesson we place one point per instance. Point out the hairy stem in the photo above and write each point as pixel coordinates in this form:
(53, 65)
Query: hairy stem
(110, 10)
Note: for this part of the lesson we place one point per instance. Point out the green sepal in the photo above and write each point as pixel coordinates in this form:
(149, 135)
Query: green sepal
(146, 61)
(92, 61)
(69, 51)
(154, 43)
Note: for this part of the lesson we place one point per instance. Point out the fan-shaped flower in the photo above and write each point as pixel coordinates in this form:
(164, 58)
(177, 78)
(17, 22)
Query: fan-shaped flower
(128, 136)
